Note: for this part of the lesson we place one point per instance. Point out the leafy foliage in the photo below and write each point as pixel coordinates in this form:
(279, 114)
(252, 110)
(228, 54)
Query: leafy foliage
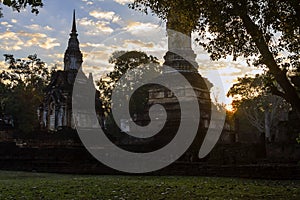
(265, 32)
(30, 71)
(22, 89)
(252, 96)
(18, 5)
(124, 61)
(249, 88)
(4, 91)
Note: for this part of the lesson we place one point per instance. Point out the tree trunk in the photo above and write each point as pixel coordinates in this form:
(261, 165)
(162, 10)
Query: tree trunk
(290, 93)
(267, 126)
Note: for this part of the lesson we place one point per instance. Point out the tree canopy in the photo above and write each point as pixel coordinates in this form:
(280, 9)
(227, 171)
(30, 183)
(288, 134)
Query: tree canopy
(124, 61)
(30, 71)
(248, 88)
(265, 32)
(21, 87)
(262, 109)
(18, 5)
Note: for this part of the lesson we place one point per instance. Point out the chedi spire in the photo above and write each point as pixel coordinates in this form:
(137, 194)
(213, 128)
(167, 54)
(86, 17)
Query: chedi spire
(73, 55)
(74, 30)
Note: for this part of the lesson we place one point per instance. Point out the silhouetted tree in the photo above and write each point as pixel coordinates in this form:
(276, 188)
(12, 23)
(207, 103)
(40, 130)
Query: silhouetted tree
(18, 5)
(124, 61)
(24, 81)
(262, 109)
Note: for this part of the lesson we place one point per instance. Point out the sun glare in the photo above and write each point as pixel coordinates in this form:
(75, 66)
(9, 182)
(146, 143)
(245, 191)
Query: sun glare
(230, 108)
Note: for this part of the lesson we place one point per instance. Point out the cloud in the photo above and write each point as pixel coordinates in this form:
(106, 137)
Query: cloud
(123, 2)
(97, 63)
(49, 43)
(10, 41)
(14, 21)
(89, 2)
(226, 68)
(141, 29)
(95, 27)
(223, 74)
(94, 45)
(32, 35)
(96, 60)
(18, 40)
(48, 28)
(6, 24)
(138, 43)
(97, 56)
(111, 16)
(56, 55)
(36, 27)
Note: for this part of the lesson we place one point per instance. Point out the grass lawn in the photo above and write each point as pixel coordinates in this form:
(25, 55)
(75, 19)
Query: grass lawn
(23, 185)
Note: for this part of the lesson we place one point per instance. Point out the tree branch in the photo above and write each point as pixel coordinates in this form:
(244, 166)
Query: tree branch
(268, 59)
(275, 91)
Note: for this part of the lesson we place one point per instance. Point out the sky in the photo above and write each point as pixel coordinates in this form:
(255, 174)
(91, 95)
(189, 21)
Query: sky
(103, 26)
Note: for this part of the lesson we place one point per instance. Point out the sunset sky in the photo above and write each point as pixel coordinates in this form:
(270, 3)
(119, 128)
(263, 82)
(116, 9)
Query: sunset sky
(104, 26)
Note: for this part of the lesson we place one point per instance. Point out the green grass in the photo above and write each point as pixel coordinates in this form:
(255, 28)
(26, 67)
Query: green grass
(22, 185)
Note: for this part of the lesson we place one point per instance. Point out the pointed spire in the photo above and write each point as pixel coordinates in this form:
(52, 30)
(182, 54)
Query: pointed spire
(74, 31)
(73, 55)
